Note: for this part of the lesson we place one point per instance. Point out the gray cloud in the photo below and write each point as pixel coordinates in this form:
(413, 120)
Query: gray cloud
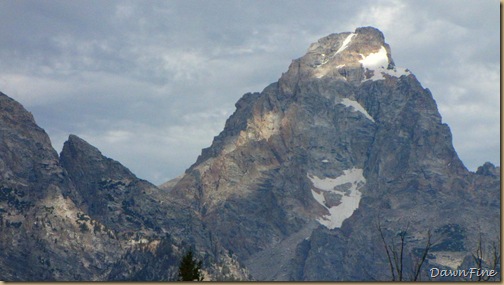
(151, 83)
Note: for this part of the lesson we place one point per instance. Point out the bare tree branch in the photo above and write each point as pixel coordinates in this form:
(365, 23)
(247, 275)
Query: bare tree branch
(493, 259)
(395, 254)
(387, 250)
(418, 266)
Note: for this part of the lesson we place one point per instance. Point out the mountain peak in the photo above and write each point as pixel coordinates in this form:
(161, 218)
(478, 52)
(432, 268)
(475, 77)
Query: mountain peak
(354, 57)
(77, 153)
(488, 169)
(342, 141)
(363, 40)
(76, 145)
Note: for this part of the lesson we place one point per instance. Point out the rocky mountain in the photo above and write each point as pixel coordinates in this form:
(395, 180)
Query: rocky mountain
(305, 170)
(82, 216)
(143, 215)
(42, 236)
(311, 179)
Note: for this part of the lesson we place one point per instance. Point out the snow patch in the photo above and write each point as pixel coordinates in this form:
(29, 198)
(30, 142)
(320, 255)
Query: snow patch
(350, 195)
(356, 107)
(375, 60)
(378, 63)
(140, 241)
(378, 74)
(325, 161)
(345, 43)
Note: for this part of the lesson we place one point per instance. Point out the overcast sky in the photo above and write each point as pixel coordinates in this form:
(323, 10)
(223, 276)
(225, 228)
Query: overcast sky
(150, 83)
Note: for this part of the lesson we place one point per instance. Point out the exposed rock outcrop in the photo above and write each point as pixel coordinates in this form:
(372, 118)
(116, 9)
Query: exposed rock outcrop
(44, 235)
(346, 139)
(84, 217)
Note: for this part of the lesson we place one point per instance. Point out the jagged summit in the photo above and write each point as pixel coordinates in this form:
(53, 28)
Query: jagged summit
(355, 57)
(343, 140)
(77, 149)
(75, 141)
(488, 169)
(360, 43)
(20, 139)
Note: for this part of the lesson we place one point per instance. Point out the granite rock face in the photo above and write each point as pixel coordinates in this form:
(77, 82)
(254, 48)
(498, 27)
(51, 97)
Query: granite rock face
(109, 191)
(43, 233)
(346, 140)
(85, 217)
(157, 228)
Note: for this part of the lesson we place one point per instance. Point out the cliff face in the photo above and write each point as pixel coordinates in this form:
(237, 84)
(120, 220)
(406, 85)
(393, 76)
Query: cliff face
(44, 236)
(154, 229)
(109, 191)
(84, 216)
(304, 171)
